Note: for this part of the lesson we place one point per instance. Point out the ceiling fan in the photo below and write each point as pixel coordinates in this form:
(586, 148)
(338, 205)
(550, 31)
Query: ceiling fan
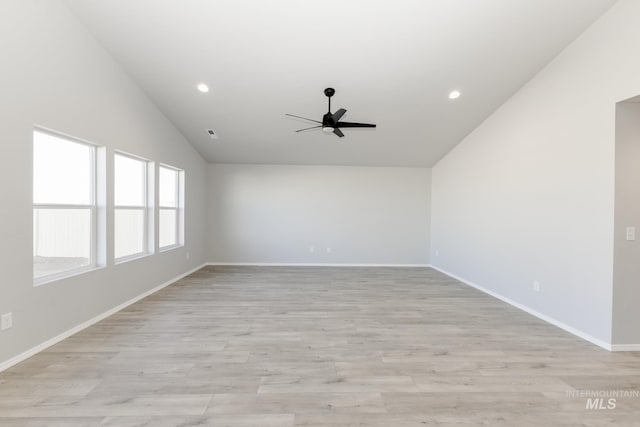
(331, 122)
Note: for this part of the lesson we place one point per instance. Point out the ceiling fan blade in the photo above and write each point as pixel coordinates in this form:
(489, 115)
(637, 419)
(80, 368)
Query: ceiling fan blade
(338, 132)
(338, 115)
(303, 118)
(354, 125)
(313, 127)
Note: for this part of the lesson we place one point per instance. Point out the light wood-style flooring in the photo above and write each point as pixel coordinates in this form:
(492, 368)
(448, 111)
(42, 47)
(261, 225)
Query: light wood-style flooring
(276, 346)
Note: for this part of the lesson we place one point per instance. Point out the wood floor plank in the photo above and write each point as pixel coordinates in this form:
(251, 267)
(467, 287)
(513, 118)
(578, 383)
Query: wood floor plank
(372, 384)
(124, 404)
(221, 420)
(52, 422)
(296, 403)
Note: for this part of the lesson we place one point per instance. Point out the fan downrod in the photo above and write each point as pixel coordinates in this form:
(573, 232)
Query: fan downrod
(329, 92)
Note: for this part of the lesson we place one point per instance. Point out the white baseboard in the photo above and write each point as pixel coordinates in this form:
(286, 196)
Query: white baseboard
(548, 319)
(301, 264)
(43, 346)
(625, 347)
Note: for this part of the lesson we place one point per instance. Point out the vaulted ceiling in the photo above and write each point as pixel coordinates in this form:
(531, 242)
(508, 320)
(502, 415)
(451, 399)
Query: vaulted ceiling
(392, 63)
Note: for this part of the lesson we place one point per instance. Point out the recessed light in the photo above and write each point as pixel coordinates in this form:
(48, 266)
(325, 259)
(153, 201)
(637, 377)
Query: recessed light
(203, 88)
(455, 94)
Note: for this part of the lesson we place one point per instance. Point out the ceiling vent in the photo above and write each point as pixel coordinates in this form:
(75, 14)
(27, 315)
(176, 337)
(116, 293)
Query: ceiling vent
(212, 134)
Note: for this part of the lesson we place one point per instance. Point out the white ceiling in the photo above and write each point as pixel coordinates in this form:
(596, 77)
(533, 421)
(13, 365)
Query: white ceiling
(392, 63)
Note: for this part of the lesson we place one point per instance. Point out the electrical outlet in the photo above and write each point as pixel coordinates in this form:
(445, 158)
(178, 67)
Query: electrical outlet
(437, 252)
(631, 234)
(312, 249)
(536, 286)
(7, 321)
(187, 255)
(328, 250)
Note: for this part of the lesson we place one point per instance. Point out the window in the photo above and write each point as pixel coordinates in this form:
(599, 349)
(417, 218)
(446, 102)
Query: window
(170, 207)
(64, 206)
(131, 207)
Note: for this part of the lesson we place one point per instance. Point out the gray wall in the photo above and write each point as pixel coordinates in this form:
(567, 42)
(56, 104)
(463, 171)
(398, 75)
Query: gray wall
(529, 195)
(626, 267)
(54, 74)
(273, 214)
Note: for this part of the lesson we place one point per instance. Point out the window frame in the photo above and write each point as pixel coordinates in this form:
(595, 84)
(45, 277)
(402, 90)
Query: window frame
(92, 207)
(146, 209)
(179, 208)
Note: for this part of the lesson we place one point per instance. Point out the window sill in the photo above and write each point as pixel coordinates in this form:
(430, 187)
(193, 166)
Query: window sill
(170, 248)
(39, 281)
(133, 257)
